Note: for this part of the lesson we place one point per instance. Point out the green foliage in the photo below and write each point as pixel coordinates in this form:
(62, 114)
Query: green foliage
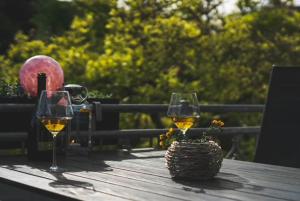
(145, 49)
(14, 16)
(247, 6)
(142, 51)
(247, 148)
(51, 17)
(98, 94)
(246, 50)
(8, 89)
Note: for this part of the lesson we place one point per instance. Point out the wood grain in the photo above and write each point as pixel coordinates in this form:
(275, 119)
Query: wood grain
(142, 175)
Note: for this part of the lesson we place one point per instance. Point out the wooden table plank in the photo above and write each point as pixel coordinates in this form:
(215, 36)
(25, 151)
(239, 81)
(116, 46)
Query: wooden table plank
(273, 171)
(103, 184)
(157, 188)
(45, 183)
(227, 181)
(213, 188)
(12, 192)
(258, 176)
(143, 176)
(77, 186)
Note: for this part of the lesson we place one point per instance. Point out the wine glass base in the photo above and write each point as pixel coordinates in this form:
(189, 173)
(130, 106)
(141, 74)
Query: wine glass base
(56, 169)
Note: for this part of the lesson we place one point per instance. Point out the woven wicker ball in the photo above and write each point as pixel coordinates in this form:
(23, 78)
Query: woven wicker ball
(194, 161)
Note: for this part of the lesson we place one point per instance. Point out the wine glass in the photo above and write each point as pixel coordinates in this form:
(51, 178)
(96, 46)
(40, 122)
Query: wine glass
(82, 109)
(78, 94)
(184, 111)
(54, 111)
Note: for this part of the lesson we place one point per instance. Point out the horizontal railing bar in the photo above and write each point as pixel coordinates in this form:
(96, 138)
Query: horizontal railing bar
(13, 136)
(227, 131)
(223, 108)
(151, 108)
(14, 107)
(147, 108)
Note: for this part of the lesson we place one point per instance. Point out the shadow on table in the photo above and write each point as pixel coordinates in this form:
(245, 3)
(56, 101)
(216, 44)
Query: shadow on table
(56, 180)
(12, 192)
(62, 181)
(22, 163)
(119, 155)
(220, 182)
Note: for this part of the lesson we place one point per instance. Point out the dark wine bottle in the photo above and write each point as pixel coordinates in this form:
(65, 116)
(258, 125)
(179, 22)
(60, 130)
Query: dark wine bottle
(39, 145)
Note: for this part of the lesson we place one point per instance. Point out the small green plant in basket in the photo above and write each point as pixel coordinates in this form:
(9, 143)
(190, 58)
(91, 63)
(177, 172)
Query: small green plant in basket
(166, 139)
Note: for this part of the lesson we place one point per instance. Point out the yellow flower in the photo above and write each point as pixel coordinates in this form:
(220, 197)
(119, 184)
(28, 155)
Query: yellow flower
(171, 130)
(221, 123)
(169, 135)
(167, 138)
(218, 123)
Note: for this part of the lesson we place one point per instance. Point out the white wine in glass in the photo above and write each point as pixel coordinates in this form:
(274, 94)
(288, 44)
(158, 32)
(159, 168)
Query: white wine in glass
(184, 110)
(54, 111)
(55, 125)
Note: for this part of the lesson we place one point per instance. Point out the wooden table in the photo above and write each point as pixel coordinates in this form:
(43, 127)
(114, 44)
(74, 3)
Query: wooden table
(142, 175)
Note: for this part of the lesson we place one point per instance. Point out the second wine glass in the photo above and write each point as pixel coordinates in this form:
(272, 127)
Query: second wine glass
(54, 111)
(184, 111)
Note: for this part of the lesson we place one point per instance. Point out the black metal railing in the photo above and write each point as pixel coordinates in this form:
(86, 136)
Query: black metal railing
(147, 108)
(235, 132)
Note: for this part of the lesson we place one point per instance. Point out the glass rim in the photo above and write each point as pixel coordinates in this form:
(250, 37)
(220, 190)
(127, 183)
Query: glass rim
(55, 91)
(184, 93)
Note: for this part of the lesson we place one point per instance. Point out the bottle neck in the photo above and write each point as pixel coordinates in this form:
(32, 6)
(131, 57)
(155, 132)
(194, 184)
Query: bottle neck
(41, 83)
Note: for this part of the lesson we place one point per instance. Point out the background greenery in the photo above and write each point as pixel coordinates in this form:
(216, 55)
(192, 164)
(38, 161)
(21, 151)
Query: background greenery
(140, 51)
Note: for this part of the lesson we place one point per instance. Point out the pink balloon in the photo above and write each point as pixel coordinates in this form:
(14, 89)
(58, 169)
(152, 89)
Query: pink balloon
(41, 64)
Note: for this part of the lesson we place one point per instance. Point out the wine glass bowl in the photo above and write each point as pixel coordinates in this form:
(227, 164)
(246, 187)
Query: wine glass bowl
(184, 110)
(54, 111)
(78, 93)
(82, 112)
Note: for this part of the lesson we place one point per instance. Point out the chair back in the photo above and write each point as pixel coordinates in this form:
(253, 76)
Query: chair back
(279, 140)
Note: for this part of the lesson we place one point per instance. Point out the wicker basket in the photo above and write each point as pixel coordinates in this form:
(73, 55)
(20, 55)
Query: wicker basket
(194, 161)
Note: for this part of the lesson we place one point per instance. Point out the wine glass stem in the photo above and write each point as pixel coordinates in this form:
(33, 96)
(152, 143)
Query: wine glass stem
(184, 135)
(90, 131)
(54, 152)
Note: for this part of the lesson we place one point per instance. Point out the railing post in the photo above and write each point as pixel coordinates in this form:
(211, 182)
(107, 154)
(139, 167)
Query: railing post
(234, 151)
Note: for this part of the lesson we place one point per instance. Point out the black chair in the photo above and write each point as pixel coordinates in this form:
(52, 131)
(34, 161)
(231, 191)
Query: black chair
(279, 140)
